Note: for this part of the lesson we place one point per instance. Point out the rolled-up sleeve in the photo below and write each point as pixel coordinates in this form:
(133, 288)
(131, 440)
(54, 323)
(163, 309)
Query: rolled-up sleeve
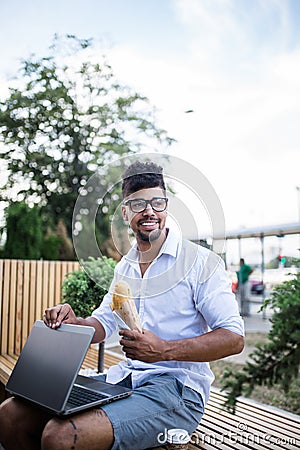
(217, 303)
(104, 315)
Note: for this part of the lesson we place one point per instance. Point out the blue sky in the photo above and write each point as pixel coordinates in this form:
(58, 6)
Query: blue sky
(236, 63)
(150, 26)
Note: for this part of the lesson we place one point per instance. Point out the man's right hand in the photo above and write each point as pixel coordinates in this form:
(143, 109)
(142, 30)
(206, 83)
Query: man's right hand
(59, 314)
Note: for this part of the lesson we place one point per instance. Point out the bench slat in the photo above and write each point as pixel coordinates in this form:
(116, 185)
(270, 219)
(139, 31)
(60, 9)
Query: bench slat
(263, 420)
(5, 307)
(231, 430)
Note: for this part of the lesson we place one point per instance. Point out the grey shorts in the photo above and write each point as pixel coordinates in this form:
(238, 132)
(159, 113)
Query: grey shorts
(141, 421)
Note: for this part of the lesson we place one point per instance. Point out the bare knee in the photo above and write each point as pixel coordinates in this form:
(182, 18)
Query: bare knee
(12, 423)
(10, 416)
(4, 419)
(21, 424)
(90, 430)
(56, 435)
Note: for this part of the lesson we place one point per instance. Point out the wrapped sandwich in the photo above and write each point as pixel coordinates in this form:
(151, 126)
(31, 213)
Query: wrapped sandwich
(124, 308)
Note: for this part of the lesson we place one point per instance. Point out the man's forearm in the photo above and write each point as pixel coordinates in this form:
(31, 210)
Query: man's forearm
(208, 347)
(99, 335)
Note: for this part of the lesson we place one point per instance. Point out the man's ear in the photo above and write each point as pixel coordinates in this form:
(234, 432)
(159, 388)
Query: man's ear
(124, 215)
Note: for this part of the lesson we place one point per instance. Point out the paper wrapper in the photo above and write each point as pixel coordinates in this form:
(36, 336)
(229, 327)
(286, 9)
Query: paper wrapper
(123, 304)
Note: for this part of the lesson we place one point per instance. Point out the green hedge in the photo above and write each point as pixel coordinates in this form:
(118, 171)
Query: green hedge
(84, 289)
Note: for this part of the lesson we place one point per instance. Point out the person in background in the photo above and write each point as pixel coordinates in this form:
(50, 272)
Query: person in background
(244, 287)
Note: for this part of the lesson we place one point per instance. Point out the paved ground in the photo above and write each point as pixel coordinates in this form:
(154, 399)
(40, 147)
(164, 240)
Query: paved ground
(257, 324)
(253, 324)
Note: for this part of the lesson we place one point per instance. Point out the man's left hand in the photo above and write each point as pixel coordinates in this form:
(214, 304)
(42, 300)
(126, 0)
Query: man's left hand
(145, 346)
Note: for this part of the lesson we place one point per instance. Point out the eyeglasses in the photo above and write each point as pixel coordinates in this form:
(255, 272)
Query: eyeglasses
(138, 205)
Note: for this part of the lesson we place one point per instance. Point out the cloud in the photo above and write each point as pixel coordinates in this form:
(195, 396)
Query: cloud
(242, 28)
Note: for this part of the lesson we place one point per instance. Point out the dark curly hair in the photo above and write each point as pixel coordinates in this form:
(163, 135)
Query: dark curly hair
(142, 175)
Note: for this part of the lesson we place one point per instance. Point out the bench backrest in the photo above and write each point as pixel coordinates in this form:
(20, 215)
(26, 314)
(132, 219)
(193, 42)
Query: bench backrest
(26, 288)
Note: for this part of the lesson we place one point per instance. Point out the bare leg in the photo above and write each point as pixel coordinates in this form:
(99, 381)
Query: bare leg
(88, 430)
(21, 425)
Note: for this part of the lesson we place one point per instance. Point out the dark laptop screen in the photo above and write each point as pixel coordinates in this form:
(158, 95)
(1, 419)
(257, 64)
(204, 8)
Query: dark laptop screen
(48, 364)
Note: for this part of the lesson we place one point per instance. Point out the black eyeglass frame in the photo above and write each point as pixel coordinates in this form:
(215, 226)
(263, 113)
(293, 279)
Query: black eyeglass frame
(147, 202)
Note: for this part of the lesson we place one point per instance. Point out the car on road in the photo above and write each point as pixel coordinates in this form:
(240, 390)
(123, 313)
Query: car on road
(257, 286)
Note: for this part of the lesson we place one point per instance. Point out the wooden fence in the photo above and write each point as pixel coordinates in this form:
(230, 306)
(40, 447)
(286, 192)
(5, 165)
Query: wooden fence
(27, 288)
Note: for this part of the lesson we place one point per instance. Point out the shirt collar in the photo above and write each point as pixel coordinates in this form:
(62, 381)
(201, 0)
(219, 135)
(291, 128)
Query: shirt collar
(171, 247)
(171, 244)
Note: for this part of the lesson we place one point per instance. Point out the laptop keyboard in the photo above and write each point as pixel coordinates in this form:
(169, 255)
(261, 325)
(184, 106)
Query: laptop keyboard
(80, 396)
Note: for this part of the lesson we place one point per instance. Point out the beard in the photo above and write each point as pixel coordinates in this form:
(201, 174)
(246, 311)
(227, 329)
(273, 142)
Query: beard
(149, 237)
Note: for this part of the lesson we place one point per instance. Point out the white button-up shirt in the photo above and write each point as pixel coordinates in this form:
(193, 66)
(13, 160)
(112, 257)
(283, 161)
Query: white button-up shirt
(184, 293)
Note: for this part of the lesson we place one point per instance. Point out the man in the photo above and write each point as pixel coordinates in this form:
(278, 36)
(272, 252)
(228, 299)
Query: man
(189, 317)
(244, 287)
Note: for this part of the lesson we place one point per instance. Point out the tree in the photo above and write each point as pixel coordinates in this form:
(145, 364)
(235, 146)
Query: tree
(64, 117)
(24, 232)
(57, 244)
(277, 361)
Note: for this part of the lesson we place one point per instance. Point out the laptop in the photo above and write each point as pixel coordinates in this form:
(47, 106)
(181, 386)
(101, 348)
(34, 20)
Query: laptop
(46, 373)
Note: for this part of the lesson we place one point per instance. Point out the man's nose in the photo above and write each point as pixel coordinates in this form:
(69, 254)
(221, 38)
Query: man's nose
(148, 207)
